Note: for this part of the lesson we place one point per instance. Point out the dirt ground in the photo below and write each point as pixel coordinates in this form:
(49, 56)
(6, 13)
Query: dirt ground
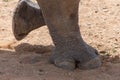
(28, 59)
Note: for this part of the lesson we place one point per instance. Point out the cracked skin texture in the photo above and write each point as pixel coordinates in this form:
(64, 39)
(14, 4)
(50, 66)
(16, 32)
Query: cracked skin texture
(61, 17)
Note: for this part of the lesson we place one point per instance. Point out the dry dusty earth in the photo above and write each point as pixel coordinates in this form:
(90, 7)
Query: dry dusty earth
(29, 59)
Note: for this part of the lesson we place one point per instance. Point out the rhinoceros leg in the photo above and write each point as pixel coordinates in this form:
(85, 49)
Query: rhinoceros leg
(61, 17)
(27, 17)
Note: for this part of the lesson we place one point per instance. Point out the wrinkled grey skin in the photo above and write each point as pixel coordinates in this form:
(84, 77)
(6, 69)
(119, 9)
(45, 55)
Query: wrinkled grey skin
(61, 17)
(27, 17)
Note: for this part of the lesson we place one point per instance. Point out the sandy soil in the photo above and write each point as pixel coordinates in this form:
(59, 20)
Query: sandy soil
(28, 59)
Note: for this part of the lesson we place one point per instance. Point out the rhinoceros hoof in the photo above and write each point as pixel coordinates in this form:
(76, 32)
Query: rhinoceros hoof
(70, 59)
(27, 17)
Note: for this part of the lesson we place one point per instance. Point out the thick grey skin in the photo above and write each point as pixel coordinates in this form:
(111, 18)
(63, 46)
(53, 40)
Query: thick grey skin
(27, 17)
(61, 17)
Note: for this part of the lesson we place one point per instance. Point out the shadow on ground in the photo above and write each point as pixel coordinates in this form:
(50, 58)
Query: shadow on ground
(33, 48)
(31, 62)
(26, 48)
